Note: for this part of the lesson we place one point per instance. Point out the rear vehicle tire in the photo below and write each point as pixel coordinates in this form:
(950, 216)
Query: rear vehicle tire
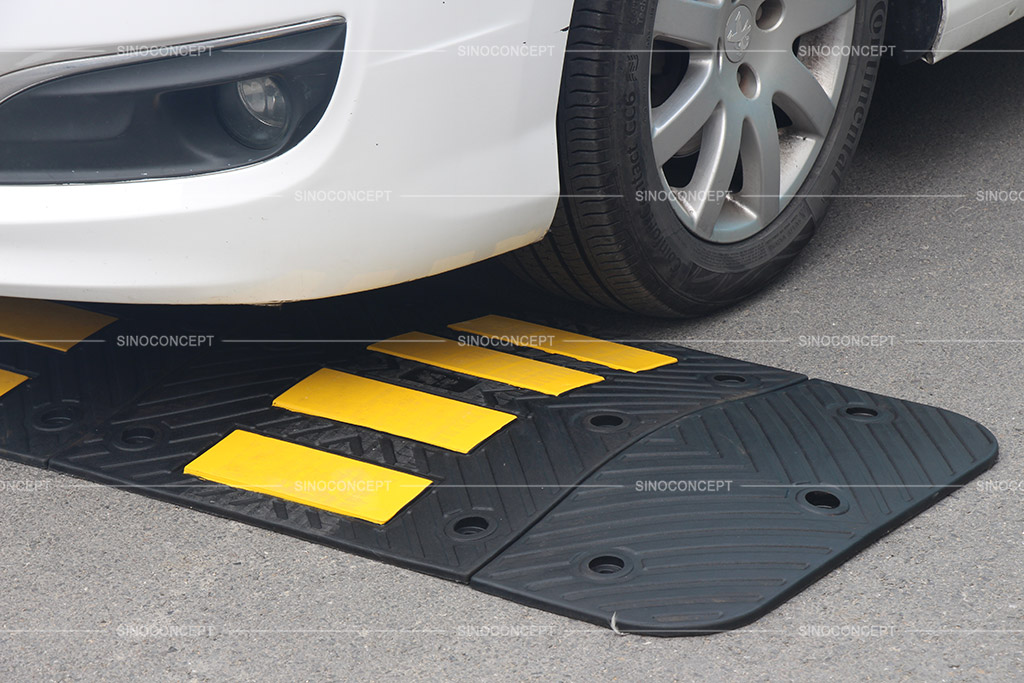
(699, 141)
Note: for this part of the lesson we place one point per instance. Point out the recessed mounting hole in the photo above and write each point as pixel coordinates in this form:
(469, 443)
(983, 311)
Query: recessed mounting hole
(768, 14)
(747, 80)
(606, 565)
(730, 379)
(823, 500)
(861, 411)
(59, 417)
(138, 436)
(606, 421)
(471, 526)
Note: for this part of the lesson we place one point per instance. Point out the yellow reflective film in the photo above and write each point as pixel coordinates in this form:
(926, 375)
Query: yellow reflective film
(305, 475)
(562, 343)
(396, 410)
(486, 363)
(45, 323)
(9, 380)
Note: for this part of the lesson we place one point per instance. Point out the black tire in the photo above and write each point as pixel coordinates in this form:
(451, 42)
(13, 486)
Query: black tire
(606, 246)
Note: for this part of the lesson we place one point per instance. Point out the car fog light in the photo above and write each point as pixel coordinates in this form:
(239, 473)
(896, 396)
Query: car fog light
(255, 111)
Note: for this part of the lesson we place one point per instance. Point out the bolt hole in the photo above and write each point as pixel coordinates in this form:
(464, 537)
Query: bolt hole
(138, 436)
(606, 565)
(747, 80)
(471, 526)
(606, 421)
(823, 500)
(861, 411)
(730, 379)
(768, 15)
(57, 418)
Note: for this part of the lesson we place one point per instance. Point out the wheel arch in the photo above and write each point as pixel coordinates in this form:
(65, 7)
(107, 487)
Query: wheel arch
(913, 27)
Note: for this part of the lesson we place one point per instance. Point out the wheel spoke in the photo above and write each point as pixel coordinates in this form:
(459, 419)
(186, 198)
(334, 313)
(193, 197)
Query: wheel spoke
(804, 16)
(720, 150)
(799, 94)
(682, 116)
(762, 164)
(739, 125)
(690, 22)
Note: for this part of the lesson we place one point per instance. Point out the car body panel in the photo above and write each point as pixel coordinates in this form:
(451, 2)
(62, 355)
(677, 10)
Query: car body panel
(456, 150)
(967, 21)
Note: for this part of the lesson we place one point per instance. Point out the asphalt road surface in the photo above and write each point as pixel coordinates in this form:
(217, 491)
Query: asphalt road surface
(103, 584)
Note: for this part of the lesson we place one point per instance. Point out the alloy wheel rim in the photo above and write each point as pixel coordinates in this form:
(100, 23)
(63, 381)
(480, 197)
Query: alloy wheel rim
(743, 95)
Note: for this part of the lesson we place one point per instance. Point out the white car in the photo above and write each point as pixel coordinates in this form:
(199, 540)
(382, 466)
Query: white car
(661, 156)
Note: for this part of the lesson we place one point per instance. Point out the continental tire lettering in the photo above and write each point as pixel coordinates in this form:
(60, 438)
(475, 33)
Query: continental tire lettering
(877, 28)
(631, 123)
(636, 15)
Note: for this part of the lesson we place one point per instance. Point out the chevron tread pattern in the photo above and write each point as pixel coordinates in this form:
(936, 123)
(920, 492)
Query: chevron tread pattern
(705, 561)
(511, 480)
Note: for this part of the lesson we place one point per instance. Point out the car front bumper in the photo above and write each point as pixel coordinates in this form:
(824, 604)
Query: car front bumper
(437, 150)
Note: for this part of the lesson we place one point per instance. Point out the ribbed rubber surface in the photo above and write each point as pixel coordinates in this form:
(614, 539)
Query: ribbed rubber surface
(510, 481)
(69, 393)
(629, 552)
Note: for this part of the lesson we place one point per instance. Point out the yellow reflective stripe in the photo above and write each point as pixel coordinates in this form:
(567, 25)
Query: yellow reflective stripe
(396, 410)
(45, 323)
(562, 343)
(9, 380)
(305, 475)
(486, 363)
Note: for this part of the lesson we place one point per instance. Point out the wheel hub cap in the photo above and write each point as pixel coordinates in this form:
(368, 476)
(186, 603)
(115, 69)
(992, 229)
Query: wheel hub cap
(743, 94)
(737, 33)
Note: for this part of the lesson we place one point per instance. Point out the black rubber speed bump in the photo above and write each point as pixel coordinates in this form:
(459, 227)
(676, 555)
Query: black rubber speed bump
(479, 503)
(73, 382)
(711, 521)
(666, 491)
